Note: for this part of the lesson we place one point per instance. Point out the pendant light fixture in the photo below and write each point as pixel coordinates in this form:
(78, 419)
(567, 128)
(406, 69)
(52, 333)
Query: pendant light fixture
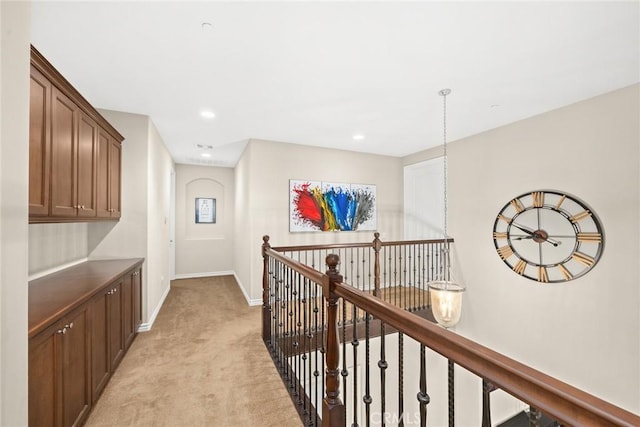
(445, 293)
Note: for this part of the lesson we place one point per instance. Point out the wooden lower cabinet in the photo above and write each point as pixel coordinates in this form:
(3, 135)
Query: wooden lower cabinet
(107, 343)
(59, 388)
(131, 297)
(72, 358)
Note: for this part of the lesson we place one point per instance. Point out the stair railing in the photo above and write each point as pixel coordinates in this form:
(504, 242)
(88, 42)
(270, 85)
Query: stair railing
(301, 329)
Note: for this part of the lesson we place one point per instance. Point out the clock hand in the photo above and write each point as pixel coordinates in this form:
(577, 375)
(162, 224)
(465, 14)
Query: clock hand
(536, 235)
(523, 228)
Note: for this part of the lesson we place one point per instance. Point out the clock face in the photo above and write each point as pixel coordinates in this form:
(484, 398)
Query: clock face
(548, 236)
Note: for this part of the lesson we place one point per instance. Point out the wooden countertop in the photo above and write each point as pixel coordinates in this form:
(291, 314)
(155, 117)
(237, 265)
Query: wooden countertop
(57, 294)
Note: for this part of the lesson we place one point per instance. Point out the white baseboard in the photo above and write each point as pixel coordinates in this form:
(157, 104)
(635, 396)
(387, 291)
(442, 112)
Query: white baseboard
(144, 327)
(205, 274)
(251, 302)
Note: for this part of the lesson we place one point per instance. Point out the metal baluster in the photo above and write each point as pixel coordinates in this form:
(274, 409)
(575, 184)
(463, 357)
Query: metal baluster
(323, 349)
(297, 336)
(423, 397)
(487, 388)
(401, 379)
(383, 365)
(415, 261)
(304, 331)
(316, 372)
(407, 277)
(534, 417)
(395, 275)
(452, 410)
(277, 336)
(367, 393)
(289, 332)
(344, 371)
(354, 345)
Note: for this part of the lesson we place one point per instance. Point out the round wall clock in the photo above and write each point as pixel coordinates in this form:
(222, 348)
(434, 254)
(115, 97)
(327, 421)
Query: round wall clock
(548, 236)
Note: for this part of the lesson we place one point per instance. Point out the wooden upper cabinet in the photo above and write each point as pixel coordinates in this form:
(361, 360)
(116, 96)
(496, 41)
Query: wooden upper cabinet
(115, 156)
(87, 166)
(74, 153)
(64, 122)
(108, 179)
(39, 140)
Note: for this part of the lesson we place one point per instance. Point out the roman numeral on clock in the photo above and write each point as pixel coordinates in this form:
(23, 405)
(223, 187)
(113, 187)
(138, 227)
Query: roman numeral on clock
(505, 218)
(589, 237)
(538, 199)
(542, 274)
(566, 273)
(520, 266)
(580, 216)
(517, 205)
(505, 252)
(583, 259)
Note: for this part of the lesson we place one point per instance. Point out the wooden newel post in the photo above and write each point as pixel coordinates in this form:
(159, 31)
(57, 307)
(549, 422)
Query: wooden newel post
(333, 413)
(377, 245)
(266, 316)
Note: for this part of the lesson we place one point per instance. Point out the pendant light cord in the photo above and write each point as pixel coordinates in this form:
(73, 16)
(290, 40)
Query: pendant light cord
(446, 259)
(444, 93)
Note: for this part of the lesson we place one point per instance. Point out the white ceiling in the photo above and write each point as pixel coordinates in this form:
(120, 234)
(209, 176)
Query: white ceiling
(316, 73)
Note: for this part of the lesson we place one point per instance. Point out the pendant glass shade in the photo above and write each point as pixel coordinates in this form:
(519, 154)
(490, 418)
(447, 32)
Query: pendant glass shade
(446, 301)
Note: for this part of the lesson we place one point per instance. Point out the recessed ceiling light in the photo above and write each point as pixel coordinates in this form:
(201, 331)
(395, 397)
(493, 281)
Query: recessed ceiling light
(206, 154)
(358, 137)
(208, 114)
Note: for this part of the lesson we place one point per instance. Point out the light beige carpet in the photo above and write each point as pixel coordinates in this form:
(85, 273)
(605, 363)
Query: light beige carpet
(202, 364)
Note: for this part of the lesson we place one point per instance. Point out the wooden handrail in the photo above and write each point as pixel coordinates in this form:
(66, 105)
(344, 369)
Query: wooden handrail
(303, 269)
(359, 245)
(557, 399)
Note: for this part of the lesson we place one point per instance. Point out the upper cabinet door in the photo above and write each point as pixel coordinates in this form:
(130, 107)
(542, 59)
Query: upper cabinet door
(87, 166)
(115, 150)
(102, 178)
(39, 144)
(63, 155)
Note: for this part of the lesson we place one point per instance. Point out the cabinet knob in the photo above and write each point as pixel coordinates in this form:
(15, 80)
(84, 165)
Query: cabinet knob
(62, 331)
(69, 326)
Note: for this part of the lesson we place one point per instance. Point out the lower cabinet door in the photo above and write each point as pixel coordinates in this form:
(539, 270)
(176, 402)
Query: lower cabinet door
(76, 387)
(116, 327)
(100, 369)
(59, 388)
(44, 379)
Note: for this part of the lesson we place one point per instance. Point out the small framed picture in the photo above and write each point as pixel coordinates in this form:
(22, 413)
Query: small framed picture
(205, 210)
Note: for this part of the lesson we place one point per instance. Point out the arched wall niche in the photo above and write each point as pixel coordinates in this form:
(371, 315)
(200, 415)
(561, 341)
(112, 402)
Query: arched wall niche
(204, 188)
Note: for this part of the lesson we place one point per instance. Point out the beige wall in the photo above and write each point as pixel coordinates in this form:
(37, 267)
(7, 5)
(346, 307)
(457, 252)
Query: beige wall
(14, 158)
(243, 246)
(54, 245)
(204, 249)
(142, 231)
(266, 211)
(159, 169)
(587, 331)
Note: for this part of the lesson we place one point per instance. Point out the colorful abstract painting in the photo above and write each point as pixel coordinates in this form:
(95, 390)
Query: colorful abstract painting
(328, 206)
